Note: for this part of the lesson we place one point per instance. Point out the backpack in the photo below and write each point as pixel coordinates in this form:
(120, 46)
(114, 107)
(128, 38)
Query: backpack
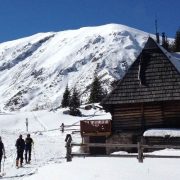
(28, 142)
(1, 147)
(20, 144)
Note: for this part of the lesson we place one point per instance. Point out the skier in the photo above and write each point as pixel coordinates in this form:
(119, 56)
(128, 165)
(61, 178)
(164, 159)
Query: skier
(68, 141)
(62, 127)
(20, 145)
(2, 151)
(28, 147)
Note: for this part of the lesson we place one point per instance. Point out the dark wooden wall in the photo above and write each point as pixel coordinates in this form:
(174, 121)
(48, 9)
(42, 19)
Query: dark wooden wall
(144, 116)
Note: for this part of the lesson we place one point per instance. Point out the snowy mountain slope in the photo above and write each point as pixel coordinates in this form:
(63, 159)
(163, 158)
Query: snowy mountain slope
(35, 70)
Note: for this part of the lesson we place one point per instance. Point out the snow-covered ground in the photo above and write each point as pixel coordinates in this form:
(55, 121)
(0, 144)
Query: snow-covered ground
(110, 168)
(48, 156)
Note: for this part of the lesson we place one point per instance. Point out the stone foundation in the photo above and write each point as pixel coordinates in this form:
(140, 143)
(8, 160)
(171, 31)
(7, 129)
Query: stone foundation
(119, 138)
(122, 138)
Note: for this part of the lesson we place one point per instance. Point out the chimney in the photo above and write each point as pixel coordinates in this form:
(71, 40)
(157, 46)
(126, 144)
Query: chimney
(157, 34)
(163, 38)
(157, 37)
(166, 39)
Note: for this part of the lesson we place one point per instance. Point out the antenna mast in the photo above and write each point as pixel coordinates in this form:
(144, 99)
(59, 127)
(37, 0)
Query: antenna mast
(156, 28)
(156, 24)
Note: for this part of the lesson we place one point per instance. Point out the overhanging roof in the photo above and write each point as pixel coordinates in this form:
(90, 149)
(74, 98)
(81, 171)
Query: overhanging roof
(154, 76)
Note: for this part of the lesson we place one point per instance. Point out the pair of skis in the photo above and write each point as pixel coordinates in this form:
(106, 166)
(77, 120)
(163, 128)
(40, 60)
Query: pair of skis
(29, 173)
(2, 173)
(19, 174)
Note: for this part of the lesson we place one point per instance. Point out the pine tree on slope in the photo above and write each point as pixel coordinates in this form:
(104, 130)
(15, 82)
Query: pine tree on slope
(177, 41)
(66, 98)
(74, 103)
(96, 93)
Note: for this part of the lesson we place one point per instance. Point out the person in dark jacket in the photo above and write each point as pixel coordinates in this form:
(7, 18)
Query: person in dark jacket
(2, 151)
(28, 147)
(20, 145)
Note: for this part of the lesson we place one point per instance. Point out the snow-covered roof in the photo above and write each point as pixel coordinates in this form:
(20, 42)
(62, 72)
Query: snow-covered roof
(173, 57)
(160, 78)
(162, 133)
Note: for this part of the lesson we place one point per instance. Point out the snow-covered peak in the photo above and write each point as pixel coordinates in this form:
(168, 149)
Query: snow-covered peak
(35, 70)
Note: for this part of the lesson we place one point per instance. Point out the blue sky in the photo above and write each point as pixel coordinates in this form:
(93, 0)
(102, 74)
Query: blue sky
(20, 18)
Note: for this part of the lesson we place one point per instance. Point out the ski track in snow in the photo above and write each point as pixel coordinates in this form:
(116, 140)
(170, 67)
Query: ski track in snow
(40, 122)
(49, 141)
(49, 146)
(48, 155)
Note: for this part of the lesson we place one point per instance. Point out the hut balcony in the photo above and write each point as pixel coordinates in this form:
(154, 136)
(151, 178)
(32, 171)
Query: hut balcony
(95, 127)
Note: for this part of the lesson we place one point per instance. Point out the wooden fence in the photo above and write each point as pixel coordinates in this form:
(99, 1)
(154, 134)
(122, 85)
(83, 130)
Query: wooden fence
(140, 149)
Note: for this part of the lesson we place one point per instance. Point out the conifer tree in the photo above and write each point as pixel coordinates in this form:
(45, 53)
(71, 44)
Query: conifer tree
(114, 84)
(66, 98)
(96, 92)
(166, 45)
(74, 103)
(177, 41)
(165, 42)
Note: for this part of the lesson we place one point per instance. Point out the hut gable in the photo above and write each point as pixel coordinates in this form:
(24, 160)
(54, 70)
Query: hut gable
(152, 77)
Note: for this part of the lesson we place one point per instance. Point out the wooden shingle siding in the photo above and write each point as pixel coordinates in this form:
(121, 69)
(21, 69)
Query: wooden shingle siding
(148, 96)
(171, 114)
(153, 116)
(146, 116)
(126, 118)
(161, 81)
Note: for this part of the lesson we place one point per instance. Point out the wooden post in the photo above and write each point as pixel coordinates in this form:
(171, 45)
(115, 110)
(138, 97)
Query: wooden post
(140, 152)
(68, 148)
(26, 124)
(62, 127)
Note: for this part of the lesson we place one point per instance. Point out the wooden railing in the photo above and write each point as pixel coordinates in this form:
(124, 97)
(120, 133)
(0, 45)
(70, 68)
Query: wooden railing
(140, 149)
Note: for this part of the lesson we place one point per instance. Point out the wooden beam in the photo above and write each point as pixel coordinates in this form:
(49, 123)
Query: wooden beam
(126, 145)
(105, 145)
(123, 155)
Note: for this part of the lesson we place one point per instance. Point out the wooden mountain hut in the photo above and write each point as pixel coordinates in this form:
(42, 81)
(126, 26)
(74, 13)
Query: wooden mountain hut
(147, 97)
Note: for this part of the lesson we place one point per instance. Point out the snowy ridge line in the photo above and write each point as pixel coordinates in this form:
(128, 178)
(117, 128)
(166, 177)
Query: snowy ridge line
(45, 63)
(24, 55)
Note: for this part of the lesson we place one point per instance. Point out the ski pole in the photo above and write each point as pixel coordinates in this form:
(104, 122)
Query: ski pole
(14, 157)
(34, 153)
(4, 163)
(2, 173)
